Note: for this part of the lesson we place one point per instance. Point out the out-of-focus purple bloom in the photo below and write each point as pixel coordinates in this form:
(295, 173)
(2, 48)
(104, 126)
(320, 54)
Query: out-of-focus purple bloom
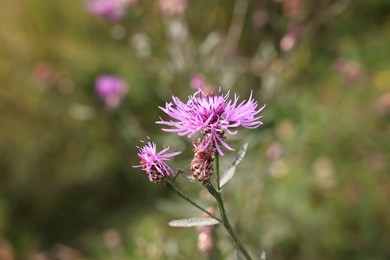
(383, 106)
(111, 90)
(45, 75)
(153, 162)
(293, 8)
(291, 39)
(351, 71)
(206, 239)
(213, 115)
(172, 7)
(198, 82)
(111, 10)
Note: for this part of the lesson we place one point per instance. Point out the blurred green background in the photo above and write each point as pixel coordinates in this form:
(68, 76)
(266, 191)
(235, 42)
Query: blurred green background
(315, 182)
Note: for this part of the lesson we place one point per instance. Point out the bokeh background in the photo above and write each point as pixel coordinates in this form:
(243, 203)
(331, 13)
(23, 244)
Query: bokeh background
(315, 182)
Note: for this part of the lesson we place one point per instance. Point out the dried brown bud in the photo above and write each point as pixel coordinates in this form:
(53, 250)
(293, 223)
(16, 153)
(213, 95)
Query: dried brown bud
(202, 166)
(157, 177)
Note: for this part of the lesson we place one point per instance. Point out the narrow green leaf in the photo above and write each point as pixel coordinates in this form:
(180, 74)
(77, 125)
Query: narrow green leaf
(193, 222)
(228, 175)
(240, 155)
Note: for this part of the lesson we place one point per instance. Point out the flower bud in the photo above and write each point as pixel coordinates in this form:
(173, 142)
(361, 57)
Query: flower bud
(202, 166)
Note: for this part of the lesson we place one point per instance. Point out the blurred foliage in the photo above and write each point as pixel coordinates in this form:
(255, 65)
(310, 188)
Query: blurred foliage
(314, 184)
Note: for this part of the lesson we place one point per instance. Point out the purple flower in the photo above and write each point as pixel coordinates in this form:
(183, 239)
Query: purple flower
(111, 10)
(111, 90)
(213, 115)
(153, 162)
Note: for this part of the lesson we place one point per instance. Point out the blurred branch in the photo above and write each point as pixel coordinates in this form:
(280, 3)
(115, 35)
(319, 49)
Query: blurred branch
(172, 187)
(328, 14)
(236, 26)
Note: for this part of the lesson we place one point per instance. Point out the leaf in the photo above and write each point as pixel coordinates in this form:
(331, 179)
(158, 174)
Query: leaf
(237, 255)
(226, 177)
(193, 222)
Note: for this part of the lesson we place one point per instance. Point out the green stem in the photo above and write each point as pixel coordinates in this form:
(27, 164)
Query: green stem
(226, 222)
(217, 170)
(182, 195)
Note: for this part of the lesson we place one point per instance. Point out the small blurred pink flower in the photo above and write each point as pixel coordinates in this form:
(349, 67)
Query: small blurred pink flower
(383, 106)
(111, 10)
(274, 151)
(198, 82)
(206, 241)
(351, 71)
(293, 8)
(173, 7)
(111, 90)
(44, 74)
(290, 40)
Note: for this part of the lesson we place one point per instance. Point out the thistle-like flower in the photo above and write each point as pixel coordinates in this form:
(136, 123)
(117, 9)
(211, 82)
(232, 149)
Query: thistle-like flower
(153, 162)
(211, 114)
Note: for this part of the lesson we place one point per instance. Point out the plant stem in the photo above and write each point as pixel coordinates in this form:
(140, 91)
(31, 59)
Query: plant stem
(226, 222)
(217, 170)
(182, 195)
(217, 195)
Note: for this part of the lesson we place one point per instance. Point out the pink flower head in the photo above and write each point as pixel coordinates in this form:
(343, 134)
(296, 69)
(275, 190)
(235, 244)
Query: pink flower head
(213, 115)
(111, 10)
(111, 90)
(153, 162)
